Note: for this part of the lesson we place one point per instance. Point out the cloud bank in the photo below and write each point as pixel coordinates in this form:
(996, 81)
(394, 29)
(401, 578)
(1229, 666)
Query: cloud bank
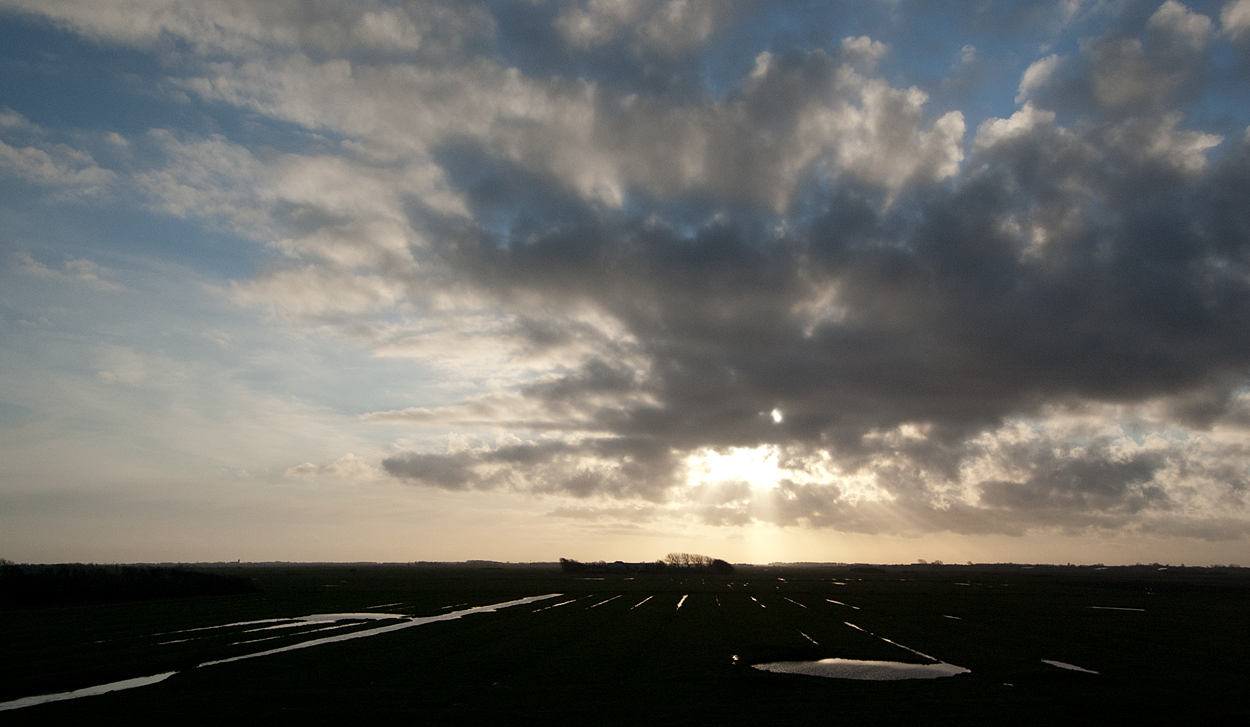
(1034, 321)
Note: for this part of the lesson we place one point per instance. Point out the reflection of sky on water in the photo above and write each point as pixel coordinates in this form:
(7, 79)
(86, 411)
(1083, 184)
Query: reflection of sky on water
(1069, 667)
(863, 670)
(86, 692)
(404, 622)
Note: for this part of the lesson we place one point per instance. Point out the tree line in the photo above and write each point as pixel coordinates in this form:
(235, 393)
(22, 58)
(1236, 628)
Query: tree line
(670, 562)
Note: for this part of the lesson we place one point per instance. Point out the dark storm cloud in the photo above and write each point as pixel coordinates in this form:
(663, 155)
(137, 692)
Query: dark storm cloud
(1105, 262)
(621, 467)
(1144, 64)
(1092, 483)
(945, 315)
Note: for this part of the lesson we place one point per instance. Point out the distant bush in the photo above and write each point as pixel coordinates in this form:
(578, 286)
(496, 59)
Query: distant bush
(568, 565)
(68, 583)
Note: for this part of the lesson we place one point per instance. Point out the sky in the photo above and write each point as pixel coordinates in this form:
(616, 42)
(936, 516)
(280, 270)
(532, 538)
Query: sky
(866, 281)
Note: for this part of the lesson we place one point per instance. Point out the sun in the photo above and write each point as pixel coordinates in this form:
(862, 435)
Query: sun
(757, 466)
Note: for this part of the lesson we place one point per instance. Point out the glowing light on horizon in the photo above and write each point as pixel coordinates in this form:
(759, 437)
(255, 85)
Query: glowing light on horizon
(761, 468)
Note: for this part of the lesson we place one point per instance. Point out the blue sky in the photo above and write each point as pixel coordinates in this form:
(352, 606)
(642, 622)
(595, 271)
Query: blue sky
(860, 281)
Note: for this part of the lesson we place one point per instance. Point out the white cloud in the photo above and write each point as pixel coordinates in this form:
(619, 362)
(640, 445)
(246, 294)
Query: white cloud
(348, 468)
(881, 140)
(664, 26)
(210, 179)
(1037, 74)
(10, 119)
(1021, 123)
(1235, 19)
(311, 291)
(573, 131)
(1128, 75)
(507, 412)
(864, 51)
(74, 270)
(73, 172)
(1161, 141)
(122, 365)
(252, 28)
(1192, 29)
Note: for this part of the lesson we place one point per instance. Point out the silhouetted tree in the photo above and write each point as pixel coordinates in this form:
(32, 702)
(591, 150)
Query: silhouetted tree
(694, 561)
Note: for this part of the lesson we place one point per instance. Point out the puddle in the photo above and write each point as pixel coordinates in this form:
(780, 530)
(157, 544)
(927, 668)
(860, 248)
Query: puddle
(302, 633)
(908, 648)
(1069, 667)
(223, 626)
(894, 643)
(86, 692)
(288, 625)
(318, 618)
(284, 623)
(406, 622)
(876, 671)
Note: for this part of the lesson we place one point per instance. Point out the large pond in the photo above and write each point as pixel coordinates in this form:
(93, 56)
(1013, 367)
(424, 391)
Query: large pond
(876, 671)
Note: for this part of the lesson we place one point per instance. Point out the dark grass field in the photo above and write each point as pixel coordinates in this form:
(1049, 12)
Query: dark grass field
(616, 662)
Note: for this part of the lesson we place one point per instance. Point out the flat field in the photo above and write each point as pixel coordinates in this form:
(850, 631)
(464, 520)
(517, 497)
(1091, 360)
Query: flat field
(663, 648)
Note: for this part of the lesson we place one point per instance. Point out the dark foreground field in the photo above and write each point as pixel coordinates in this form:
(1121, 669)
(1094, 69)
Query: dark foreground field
(605, 659)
